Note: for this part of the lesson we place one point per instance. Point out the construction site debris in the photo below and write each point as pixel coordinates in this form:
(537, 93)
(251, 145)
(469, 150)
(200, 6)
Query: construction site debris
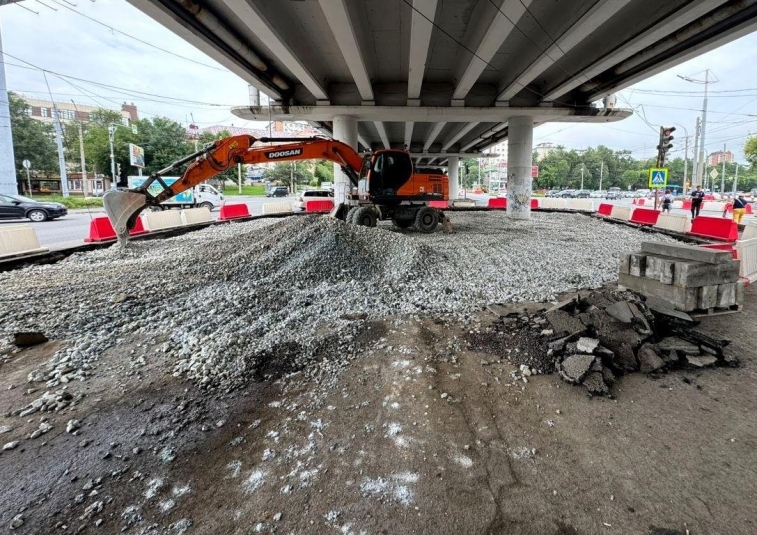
(262, 298)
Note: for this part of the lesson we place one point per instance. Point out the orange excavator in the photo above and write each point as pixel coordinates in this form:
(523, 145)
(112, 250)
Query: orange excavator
(385, 184)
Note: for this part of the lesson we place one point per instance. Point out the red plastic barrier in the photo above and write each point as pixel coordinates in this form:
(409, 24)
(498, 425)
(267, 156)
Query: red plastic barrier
(100, 229)
(500, 203)
(535, 204)
(709, 197)
(644, 216)
(717, 228)
(441, 205)
(138, 229)
(605, 209)
(233, 211)
(642, 202)
(686, 205)
(635, 201)
(722, 247)
(319, 206)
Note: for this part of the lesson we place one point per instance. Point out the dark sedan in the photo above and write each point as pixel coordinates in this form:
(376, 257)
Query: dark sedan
(19, 207)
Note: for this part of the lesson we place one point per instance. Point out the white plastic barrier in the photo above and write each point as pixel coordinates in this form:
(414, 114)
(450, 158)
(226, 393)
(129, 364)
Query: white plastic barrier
(18, 240)
(713, 206)
(464, 203)
(161, 220)
(581, 205)
(551, 203)
(674, 222)
(750, 231)
(678, 205)
(621, 212)
(194, 216)
(747, 251)
(277, 208)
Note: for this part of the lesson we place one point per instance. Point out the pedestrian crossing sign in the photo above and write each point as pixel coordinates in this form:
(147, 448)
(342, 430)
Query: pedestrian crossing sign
(658, 178)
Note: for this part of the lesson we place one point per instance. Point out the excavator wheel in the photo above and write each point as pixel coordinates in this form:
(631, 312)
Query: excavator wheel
(403, 223)
(350, 218)
(365, 217)
(426, 219)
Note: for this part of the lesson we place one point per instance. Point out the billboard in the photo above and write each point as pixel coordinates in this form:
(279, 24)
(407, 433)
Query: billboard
(136, 156)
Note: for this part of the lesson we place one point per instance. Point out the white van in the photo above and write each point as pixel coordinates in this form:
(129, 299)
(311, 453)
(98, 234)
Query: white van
(201, 196)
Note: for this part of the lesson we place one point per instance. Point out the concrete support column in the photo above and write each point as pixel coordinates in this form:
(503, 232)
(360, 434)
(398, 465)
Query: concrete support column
(344, 130)
(453, 163)
(7, 161)
(520, 139)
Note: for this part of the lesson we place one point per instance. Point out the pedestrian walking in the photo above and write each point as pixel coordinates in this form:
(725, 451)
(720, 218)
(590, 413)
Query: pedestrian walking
(697, 197)
(739, 208)
(667, 201)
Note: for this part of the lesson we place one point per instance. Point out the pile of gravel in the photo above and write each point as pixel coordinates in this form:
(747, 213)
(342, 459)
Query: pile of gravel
(231, 300)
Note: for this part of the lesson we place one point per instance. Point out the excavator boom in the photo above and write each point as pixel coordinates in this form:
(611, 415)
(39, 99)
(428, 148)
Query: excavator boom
(123, 207)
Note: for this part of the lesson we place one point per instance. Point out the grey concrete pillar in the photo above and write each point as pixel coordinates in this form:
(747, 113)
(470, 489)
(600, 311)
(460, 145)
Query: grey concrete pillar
(453, 164)
(344, 130)
(7, 161)
(520, 138)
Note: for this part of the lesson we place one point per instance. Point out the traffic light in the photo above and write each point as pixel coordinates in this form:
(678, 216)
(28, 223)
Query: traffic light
(666, 143)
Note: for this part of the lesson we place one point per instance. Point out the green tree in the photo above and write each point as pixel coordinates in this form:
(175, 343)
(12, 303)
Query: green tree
(281, 173)
(324, 172)
(32, 140)
(750, 151)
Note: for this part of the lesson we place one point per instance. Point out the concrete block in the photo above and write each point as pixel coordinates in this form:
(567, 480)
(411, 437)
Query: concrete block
(698, 274)
(687, 252)
(747, 251)
(678, 205)
(684, 299)
(19, 239)
(666, 269)
(464, 203)
(161, 220)
(674, 223)
(194, 216)
(621, 212)
(277, 208)
(726, 295)
(581, 205)
(625, 264)
(637, 264)
(740, 289)
(750, 230)
(708, 297)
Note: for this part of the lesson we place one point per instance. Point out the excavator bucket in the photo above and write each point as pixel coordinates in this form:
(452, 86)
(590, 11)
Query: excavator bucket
(123, 208)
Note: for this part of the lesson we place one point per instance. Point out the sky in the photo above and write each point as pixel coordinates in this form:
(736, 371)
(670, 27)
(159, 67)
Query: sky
(57, 36)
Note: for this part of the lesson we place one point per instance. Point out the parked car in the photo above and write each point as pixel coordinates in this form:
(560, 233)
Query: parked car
(614, 195)
(642, 193)
(278, 191)
(312, 195)
(566, 193)
(598, 194)
(581, 194)
(19, 207)
(552, 193)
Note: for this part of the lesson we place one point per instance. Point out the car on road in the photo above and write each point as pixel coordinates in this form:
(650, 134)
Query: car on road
(552, 193)
(598, 194)
(581, 194)
(312, 195)
(19, 207)
(566, 193)
(642, 193)
(614, 194)
(278, 191)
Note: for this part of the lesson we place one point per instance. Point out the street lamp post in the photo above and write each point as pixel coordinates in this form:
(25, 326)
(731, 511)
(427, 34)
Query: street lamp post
(111, 135)
(701, 157)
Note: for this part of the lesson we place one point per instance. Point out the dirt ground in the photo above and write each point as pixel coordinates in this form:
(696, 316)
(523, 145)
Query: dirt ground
(418, 435)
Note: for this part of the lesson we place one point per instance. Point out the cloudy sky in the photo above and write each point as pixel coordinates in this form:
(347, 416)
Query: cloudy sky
(61, 39)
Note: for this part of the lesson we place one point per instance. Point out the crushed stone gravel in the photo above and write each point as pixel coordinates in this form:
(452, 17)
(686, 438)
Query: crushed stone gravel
(237, 301)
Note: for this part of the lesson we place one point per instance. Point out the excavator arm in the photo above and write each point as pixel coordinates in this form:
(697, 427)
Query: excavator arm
(123, 207)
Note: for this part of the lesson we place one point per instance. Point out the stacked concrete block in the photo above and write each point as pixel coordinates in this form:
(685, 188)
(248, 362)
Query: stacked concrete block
(685, 277)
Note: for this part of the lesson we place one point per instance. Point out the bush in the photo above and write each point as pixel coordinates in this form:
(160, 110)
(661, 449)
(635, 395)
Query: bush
(72, 201)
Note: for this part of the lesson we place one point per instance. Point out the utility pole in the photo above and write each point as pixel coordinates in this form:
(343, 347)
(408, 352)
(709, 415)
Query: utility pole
(61, 156)
(111, 135)
(685, 163)
(701, 156)
(81, 154)
(8, 183)
(695, 178)
(239, 174)
(601, 173)
(736, 179)
(582, 176)
(722, 178)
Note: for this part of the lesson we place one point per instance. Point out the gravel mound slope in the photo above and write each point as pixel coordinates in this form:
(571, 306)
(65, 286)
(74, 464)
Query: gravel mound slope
(229, 298)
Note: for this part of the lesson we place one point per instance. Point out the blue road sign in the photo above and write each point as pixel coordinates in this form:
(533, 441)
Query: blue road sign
(658, 178)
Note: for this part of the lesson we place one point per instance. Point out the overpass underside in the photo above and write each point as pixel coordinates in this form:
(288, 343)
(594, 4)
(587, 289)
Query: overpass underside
(448, 76)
